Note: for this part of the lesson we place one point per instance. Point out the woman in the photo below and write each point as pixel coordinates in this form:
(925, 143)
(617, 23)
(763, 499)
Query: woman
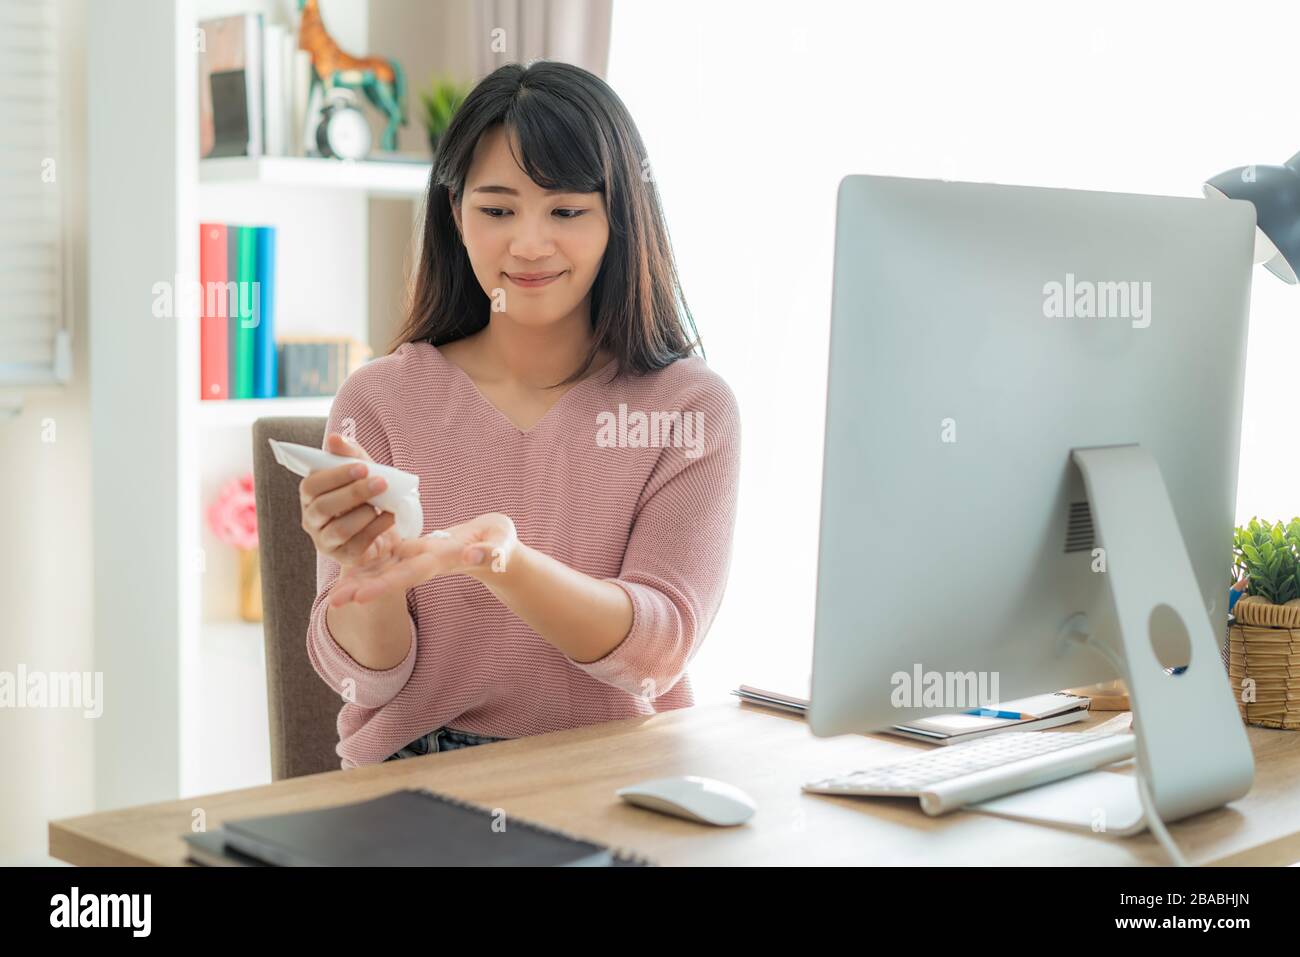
(578, 462)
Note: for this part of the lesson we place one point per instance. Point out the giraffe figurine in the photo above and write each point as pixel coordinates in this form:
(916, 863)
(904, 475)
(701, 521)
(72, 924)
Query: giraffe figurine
(382, 81)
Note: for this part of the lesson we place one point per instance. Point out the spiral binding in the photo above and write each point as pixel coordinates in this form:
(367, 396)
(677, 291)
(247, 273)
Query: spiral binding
(623, 855)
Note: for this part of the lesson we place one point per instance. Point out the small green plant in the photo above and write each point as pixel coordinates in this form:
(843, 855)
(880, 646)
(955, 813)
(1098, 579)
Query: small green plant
(441, 99)
(1269, 555)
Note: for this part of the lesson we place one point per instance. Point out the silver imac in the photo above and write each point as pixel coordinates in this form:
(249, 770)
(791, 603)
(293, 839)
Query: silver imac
(1032, 428)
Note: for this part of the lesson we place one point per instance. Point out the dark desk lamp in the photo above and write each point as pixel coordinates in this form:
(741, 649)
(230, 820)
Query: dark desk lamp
(1275, 192)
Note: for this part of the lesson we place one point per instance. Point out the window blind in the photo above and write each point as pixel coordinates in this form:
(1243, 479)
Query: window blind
(34, 333)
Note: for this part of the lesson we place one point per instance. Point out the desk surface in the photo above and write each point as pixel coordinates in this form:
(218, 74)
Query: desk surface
(567, 779)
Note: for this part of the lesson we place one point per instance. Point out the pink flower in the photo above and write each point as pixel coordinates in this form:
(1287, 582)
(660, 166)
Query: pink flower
(232, 517)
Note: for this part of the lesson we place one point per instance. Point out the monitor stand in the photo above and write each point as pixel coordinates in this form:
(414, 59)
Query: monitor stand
(1192, 749)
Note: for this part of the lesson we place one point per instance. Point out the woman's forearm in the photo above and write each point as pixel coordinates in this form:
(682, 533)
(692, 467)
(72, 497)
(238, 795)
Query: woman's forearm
(377, 634)
(584, 617)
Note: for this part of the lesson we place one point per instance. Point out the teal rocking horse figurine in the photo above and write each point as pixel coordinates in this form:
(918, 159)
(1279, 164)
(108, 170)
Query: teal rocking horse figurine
(382, 81)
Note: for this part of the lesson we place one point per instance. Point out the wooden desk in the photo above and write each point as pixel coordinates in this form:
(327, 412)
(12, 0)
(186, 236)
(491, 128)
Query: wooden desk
(567, 779)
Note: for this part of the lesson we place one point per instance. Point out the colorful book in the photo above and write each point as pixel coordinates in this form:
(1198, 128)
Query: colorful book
(240, 355)
(264, 358)
(214, 379)
(232, 306)
(246, 331)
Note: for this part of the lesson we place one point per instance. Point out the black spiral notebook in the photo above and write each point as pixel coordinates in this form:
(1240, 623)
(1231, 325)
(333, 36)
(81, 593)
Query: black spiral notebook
(407, 828)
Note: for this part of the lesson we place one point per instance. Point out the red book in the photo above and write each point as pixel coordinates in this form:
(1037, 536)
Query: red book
(213, 312)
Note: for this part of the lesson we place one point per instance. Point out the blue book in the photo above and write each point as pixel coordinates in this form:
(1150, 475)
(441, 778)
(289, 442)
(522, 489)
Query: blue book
(264, 358)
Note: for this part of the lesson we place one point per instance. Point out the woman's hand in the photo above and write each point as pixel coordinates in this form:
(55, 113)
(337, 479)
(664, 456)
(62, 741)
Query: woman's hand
(336, 513)
(479, 547)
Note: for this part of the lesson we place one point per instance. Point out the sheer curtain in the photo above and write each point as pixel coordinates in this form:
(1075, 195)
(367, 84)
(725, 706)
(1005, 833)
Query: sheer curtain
(516, 31)
(753, 111)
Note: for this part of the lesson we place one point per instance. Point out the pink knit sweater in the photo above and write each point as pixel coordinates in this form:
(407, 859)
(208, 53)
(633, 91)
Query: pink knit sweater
(608, 482)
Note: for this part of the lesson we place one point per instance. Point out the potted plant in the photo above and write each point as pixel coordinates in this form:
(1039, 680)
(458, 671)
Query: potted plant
(440, 99)
(1264, 638)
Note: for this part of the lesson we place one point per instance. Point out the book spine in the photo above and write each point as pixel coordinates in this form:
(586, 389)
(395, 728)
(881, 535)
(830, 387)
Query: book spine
(253, 76)
(291, 368)
(273, 100)
(214, 380)
(302, 74)
(316, 377)
(232, 307)
(288, 46)
(246, 334)
(336, 367)
(264, 374)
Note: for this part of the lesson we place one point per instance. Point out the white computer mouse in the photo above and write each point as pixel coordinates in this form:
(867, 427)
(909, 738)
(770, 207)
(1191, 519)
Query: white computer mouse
(694, 798)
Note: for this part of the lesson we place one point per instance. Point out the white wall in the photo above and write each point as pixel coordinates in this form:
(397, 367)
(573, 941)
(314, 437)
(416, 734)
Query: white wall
(428, 39)
(45, 565)
(753, 111)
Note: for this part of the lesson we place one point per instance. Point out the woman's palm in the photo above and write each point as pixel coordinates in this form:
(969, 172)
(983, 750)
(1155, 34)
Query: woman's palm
(483, 542)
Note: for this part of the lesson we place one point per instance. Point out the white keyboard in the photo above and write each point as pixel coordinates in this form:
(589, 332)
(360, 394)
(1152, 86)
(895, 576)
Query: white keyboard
(951, 777)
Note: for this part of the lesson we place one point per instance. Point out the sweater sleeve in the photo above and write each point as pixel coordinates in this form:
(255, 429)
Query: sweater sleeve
(679, 553)
(356, 414)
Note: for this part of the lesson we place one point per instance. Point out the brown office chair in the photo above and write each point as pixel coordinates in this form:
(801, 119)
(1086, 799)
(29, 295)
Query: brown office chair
(301, 708)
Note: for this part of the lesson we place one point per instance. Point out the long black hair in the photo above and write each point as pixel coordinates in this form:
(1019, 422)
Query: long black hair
(575, 134)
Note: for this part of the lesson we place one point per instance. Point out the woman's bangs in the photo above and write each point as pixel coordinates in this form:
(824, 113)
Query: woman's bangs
(559, 151)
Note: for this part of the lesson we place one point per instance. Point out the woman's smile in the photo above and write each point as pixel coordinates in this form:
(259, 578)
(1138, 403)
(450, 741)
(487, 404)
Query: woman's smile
(533, 280)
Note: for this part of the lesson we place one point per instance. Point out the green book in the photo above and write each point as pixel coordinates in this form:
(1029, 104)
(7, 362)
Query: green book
(232, 306)
(246, 334)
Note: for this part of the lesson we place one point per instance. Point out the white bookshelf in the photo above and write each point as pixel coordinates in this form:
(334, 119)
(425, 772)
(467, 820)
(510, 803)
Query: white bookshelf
(233, 726)
(242, 413)
(373, 177)
(187, 672)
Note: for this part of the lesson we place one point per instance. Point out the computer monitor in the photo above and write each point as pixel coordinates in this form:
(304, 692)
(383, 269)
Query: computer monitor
(1032, 427)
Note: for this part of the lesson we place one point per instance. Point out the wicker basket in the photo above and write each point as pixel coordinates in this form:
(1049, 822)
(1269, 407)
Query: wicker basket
(1264, 645)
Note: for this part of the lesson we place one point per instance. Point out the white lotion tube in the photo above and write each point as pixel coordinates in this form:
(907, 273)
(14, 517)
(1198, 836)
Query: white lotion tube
(401, 497)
